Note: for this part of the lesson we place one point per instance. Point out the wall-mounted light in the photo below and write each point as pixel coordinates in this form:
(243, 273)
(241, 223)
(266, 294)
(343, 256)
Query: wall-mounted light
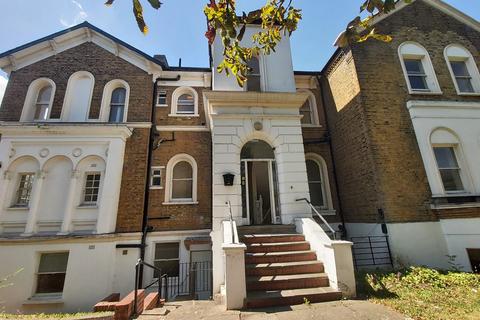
(228, 179)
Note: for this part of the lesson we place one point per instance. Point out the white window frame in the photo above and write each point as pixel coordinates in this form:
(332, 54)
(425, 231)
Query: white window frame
(107, 98)
(327, 194)
(179, 92)
(28, 111)
(459, 159)
(313, 109)
(169, 179)
(84, 186)
(37, 273)
(162, 177)
(413, 50)
(455, 52)
(158, 95)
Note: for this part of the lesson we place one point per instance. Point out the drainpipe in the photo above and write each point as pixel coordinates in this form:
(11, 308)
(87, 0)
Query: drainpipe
(151, 147)
(342, 218)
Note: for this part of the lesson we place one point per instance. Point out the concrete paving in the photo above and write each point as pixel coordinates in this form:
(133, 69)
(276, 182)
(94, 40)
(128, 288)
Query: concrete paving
(337, 310)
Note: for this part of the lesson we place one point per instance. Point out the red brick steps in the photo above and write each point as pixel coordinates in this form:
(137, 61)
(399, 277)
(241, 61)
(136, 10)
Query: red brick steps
(281, 269)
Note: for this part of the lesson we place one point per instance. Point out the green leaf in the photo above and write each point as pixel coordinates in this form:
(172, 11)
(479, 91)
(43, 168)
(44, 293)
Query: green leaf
(109, 2)
(138, 13)
(155, 3)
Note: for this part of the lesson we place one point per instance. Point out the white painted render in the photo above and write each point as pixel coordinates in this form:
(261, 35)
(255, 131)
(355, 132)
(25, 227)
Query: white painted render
(273, 78)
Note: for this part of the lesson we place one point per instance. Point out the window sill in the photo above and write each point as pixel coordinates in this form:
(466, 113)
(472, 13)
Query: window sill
(86, 206)
(179, 203)
(469, 94)
(161, 105)
(425, 93)
(454, 206)
(327, 212)
(47, 299)
(155, 188)
(306, 125)
(184, 115)
(18, 208)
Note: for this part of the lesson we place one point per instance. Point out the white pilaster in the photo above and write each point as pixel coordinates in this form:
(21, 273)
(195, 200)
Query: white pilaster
(110, 193)
(67, 219)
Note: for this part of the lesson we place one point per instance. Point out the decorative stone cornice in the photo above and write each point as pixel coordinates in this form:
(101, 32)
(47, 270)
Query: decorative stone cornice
(255, 99)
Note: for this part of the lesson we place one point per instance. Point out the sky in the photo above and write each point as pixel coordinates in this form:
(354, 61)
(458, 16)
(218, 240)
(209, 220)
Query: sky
(177, 29)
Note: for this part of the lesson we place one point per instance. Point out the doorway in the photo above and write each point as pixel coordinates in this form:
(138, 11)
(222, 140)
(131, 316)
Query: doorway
(259, 184)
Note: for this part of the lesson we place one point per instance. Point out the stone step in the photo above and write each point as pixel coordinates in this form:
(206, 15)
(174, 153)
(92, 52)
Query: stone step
(272, 238)
(278, 247)
(287, 282)
(283, 268)
(261, 299)
(267, 229)
(271, 257)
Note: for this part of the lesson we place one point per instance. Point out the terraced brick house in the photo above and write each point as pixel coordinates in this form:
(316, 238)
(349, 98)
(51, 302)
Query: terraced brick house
(109, 155)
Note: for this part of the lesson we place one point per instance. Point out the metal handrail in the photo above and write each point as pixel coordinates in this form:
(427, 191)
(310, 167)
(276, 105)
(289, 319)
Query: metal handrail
(231, 221)
(139, 263)
(320, 216)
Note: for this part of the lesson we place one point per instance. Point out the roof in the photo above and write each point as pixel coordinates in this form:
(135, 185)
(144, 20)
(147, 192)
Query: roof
(438, 4)
(57, 42)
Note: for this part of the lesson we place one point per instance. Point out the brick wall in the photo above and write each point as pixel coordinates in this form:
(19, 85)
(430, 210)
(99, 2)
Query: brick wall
(375, 145)
(104, 66)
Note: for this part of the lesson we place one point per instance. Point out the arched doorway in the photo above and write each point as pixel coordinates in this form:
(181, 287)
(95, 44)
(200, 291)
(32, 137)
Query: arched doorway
(259, 184)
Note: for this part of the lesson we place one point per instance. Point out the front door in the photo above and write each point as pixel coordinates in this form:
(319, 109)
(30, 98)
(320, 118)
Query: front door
(258, 191)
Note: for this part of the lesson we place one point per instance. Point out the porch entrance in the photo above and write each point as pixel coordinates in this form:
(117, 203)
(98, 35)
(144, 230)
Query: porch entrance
(259, 184)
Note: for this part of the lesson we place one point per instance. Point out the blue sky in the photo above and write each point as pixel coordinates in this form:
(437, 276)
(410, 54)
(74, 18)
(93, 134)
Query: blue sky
(177, 28)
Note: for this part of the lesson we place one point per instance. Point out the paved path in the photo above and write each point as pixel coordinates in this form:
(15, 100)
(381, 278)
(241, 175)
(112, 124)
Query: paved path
(337, 310)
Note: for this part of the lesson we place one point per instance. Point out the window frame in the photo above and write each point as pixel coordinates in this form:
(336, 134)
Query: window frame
(176, 95)
(169, 180)
(117, 104)
(258, 75)
(107, 101)
(460, 169)
(87, 204)
(415, 51)
(162, 177)
(470, 64)
(328, 208)
(30, 104)
(157, 98)
(38, 273)
(315, 122)
(155, 260)
(15, 202)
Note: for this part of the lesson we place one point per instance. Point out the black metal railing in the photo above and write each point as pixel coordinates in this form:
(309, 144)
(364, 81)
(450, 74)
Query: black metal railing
(371, 251)
(140, 263)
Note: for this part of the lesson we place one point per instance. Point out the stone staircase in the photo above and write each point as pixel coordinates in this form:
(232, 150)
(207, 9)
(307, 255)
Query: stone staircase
(281, 269)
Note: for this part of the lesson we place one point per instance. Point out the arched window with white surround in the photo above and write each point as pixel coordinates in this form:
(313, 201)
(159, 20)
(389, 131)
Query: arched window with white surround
(318, 183)
(308, 111)
(254, 75)
(115, 101)
(447, 152)
(76, 105)
(181, 184)
(463, 70)
(39, 100)
(184, 102)
(418, 69)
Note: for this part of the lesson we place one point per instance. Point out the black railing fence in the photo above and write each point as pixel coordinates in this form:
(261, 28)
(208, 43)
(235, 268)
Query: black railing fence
(371, 251)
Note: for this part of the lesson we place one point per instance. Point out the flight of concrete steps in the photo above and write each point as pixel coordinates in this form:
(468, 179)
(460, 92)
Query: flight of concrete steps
(281, 269)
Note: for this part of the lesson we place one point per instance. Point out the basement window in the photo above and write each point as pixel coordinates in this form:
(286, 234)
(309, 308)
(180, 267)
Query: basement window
(51, 273)
(474, 256)
(167, 259)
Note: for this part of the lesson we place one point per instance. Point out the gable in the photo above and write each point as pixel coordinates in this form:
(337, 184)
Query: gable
(56, 43)
(437, 4)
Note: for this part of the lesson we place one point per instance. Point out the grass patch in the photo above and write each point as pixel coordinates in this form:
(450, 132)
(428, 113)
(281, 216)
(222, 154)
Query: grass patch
(63, 316)
(423, 293)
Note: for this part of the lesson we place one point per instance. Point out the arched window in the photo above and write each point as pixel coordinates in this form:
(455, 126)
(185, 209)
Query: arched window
(463, 70)
(182, 180)
(42, 106)
(254, 77)
(448, 156)
(117, 105)
(184, 102)
(309, 110)
(39, 99)
(318, 182)
(418, 68)
(76, 105)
